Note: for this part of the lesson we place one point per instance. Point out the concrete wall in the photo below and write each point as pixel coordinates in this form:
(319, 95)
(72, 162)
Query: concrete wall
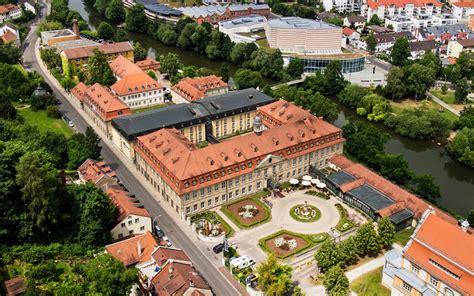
(131, 225)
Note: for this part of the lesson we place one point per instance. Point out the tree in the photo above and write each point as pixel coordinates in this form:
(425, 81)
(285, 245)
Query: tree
(394, 167)
(105, 31)
(352, 95)
(9, 53)
(115, 12)
(242, 52)
(101, 5)
(184, 39)
(170, 64)
(39, 187)
(375, 20)
(470, 217)
(99, 69)
(465, 65)
(246, 78)
(461, 90)
(419, 79)
(274, 276)
(425, 187)
(374, 106)
(466, 118)
(167, 35)
(7, 110)
(334, 81)
(139, 52)
(462, 146)
(121, 35)
(328, 255)
(367, 240)
(400, 52)
(51, 57)
(224, 72)
(336, 282)
(395, 87)
(295, 68)
(200, 38)
(348, 250)
(371, 42)
(81, 147)
(386, 232)
(152, 74)
(136, 20)
(268, 62)
(318, 104)
(104, 272)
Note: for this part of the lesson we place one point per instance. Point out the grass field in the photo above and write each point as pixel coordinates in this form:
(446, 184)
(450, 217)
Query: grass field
(176, 4)
(398, 107)
(44, 123)
(403, 236)
(150, 108)
(447, 98)
(370, 284)
(263, 43)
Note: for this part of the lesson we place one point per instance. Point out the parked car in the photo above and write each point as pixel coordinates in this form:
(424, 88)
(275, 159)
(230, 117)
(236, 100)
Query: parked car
(218, 248)
(167, 240)
(242, 262)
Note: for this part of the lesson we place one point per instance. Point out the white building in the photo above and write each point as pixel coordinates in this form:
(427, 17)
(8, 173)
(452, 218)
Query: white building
(386, 41)
(9, 33)
(9, 12)
(456, 47)
(462, 10)
(343, 6)
(405, 23)
(29, 5)
(248, 24)
(399, 8)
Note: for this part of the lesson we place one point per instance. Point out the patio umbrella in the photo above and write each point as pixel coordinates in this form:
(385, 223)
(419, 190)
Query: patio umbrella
(307, 178)
(321, 185)
(294, 181)
(314, 181)
(306, 183)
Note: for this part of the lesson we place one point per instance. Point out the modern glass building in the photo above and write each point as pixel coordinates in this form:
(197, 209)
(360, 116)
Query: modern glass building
(350, 63)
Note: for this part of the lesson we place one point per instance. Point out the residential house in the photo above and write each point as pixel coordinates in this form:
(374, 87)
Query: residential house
(418, 48)
(97, 172)
(444, 34)
(463, 9)
(121, 66)
(131, 217)
(456, 47)
(138, 91)
(211, 14)
(78, 58)
(386, 41)
(437, 260)
(29, 5)
(9, 33)
(350, 36)
(343, 6)
(148, 65)
(355, 21)
(191, 89)
(378, 29)
(9, 12)
(239, 10)
(400, 8)
(134, 250)
(100, 105)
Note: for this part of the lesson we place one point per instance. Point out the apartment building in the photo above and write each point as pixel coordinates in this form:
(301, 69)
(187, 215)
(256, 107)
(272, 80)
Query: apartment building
(463, 9)
(9, 12)
(78, 57)
(399, 8)
(456, 47)
(193, 179)
(239, 10)
(412, 23)
(191, 89)
(438, 260)
(343, 6)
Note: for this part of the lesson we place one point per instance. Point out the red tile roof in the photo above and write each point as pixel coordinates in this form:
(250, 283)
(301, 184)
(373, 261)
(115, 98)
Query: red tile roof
(176, 278)
(93, 170)
(196, 88)
(121, 66)
(79, 91)
(281, 112)
(179, 161)
(394, 192)
(148, 64)
(446, 244)
(127, 251)
(351, 185)
(108, 48)
(464, 4)
(106, 105)
(6, 8)
(124, 204)
(8, 37)
(15, 286)
(401, 3)
(135, 84)
(467, 42)
(347, 31)
(163, 254)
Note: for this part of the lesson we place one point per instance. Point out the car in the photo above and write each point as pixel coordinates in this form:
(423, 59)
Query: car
(70, 124)
(158, 232)
(218, 248)
(167, 240)
(369, 62)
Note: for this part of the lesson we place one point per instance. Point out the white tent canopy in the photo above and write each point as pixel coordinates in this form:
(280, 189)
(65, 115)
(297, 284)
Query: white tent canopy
(307, 178)
(314, 181)
(294, 181)
(321, 185)
(306, 183)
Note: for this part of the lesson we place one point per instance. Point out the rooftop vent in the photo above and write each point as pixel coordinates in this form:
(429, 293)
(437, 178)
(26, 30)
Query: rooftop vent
(250, 96)
(214, 105)
(138, 205)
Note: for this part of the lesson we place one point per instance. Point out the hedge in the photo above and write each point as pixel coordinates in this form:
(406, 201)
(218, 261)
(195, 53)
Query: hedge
(212, 216)
(309, 238)
(256, 198)
(312, 219)
(318, 194)
(343, 219)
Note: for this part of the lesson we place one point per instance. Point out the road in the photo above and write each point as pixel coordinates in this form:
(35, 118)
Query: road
(379, 63)
(129, 177)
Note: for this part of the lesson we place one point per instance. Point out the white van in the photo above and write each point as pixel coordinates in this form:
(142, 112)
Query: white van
(242, 262)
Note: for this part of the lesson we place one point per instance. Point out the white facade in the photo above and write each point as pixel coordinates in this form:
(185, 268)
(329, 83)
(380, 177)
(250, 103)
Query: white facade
(253, 23)
(343, 6)
(131, 225)
(12, 29)
(463, 11)
(29, 6)
(10, 15)
(143, 99)
(399, 24)
(407, 10)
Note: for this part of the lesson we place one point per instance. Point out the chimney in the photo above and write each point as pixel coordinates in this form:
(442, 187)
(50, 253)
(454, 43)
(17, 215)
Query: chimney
(75, 28)
(139, 249)
(191, 283)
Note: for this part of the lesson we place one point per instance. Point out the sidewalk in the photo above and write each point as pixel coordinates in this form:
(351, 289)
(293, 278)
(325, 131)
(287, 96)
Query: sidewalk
(442, 103)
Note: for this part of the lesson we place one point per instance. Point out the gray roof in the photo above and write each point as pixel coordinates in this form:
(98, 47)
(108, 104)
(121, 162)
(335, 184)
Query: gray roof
(439, 30)
(292, 22)
(401, 216)
(356, 19)
(178, 116)
(243, 21)
(340, 178)
(155, 7)
(202, 11)
(239, 7)
(74, 44)
(235, 101)
(391, 37)
(422, 45)
(371, 197)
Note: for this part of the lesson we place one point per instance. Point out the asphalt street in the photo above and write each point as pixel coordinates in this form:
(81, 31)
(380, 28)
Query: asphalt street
(216, 280)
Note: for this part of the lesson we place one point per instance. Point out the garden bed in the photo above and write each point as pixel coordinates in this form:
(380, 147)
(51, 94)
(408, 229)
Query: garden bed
(214, 218)
(318, 194)
(313, 213)
(303, 241)
(247, 212)
(344, 223)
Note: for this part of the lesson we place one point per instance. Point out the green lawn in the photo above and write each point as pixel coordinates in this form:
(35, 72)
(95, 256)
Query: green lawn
(403, 236)
(370, 284)
(447, 98)
(151, 108)
(44, 123)
(263, 43)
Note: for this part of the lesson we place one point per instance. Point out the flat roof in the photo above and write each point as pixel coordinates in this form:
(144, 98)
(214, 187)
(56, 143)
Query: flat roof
(204, 11)
(161, 9)
(371, 197)
(243, 21)
(340, 178)
(292, 22)
(74, 44)
(401, 216)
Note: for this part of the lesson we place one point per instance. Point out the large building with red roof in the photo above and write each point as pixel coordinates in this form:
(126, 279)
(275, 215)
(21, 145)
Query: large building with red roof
(191, 89)
(97, 172)
(400, 8)
(438, 260)
(193, 179)
(9, 12)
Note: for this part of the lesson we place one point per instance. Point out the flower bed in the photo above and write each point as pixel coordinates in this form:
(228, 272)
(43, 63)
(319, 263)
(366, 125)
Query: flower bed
(247, 212)
(305, 213)
(318, 194)
(214, 219)
(344, 223)
(284, 244)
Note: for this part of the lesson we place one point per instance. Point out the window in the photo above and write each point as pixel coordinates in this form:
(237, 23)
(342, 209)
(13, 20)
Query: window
(237, 192)
(258, 185)
(202, 204)
(216, 187)
(195, 207)
(202, 192)
(250, 188)
(188, 210)
(142, 228)
(123, 225)
(406, 287)
(195, 194)
(223, 196)
(217, 199)
(130, 222)
(230, 194)
(415, 269)
(120, 235)
(186, 197)
(209, 189)
(434, 281)
(130, 232)
(137, 220)
(448, 292)
(243, 190)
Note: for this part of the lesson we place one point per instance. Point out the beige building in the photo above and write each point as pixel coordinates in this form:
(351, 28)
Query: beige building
(456, 47)
(305, 36)
(193, 179)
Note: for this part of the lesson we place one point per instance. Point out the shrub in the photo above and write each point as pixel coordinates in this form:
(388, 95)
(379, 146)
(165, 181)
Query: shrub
(52, 111)
(344, 223)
